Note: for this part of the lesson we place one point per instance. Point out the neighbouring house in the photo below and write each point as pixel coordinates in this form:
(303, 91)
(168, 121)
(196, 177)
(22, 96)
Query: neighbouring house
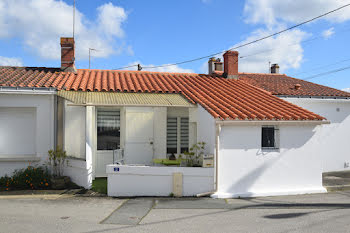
(270, 134)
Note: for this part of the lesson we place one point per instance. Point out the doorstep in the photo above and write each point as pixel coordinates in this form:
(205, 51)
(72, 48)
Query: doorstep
(336, 181)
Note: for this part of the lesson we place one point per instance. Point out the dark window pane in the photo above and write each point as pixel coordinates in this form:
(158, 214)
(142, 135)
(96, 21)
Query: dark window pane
(268, 137)
(108, 129)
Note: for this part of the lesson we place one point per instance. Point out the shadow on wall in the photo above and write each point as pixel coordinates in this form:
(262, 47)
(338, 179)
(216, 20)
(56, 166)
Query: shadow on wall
(294, 141)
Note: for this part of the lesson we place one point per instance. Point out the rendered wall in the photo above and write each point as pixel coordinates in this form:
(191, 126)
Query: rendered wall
(132, 181)
(206, 129)
(335, 148)
(78, 172)
(245, 170)
(74, 130)
(44, 130)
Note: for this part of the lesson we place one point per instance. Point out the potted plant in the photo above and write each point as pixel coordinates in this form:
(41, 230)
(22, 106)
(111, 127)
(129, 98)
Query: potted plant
(194, 155)
(57, 161)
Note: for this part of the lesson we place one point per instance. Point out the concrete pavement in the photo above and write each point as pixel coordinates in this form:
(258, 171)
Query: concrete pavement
(303, 213)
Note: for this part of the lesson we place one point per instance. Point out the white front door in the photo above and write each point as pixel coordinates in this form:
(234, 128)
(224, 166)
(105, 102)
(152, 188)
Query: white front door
(139, 136)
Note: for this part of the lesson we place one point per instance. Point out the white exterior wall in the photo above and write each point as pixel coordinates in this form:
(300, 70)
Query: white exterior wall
(74, 130)
(245, 170)
(206, 129)
(335, 148)
(160, 119)
(43, 105)
(132, 181)
(78, 172)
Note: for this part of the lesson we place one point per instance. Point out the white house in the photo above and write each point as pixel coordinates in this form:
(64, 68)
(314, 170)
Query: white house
(263, 142)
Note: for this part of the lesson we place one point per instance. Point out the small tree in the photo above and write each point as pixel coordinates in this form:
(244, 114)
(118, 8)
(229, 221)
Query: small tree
(194, 155)
(57, 160)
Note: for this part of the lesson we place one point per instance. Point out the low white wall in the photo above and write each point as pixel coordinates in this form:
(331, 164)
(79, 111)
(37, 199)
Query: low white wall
(335, 147)
(245, 170)
(78, 172)
(126, 180)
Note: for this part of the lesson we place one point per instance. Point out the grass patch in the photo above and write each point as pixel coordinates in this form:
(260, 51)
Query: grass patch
(100, 185)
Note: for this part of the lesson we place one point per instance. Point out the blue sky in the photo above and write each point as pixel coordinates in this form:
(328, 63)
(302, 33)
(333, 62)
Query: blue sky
(158, 32)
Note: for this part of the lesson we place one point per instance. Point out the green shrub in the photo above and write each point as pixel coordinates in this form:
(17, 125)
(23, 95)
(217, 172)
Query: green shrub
(193, 156)
(57, 159)
(27, 178)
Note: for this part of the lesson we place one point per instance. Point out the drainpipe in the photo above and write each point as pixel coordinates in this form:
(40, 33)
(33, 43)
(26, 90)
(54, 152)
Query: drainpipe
(216, 167)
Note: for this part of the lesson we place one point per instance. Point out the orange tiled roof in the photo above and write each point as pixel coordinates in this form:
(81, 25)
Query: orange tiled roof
(222, 98)
(281, 84)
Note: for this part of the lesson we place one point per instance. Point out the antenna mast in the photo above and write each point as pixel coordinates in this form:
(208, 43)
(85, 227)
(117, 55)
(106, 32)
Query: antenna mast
(73, 17)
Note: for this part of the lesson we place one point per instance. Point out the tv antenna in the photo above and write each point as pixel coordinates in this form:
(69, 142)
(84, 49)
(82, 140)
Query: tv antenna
(90, 49)
(73, 17)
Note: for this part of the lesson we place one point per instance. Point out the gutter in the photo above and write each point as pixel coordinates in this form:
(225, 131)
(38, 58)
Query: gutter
(271, 122)
(133, 105)
(27, 90)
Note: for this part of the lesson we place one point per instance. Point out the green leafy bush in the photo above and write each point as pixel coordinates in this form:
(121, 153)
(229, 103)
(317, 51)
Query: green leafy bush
(27, 178)
(194, 155)
(57, 159)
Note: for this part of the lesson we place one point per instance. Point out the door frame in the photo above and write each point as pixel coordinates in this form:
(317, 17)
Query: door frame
(122, 134)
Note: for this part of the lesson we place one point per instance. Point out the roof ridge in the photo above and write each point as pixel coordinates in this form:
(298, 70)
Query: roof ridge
(144, 72)
(261, 73)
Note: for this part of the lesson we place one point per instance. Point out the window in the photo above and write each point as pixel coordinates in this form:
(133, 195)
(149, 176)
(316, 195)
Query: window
(177, 135)
(108, 129)
(18, 130)
(184, 134)
(268, 137)
(171, 135)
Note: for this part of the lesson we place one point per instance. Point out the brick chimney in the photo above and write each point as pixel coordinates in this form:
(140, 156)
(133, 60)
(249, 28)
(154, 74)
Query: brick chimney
(215, 66)
(275, 69)
(231, 64)
(68, 54)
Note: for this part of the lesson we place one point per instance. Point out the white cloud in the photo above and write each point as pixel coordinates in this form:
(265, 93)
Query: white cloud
(347, 89)
(328, 33)
(284, 49)
(271, 12)
(10, 61)
(173, 69)
(40, 24)
(110, 18)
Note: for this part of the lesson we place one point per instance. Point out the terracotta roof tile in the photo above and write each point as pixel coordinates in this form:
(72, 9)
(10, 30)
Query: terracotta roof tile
(222, 98)
(281, 84)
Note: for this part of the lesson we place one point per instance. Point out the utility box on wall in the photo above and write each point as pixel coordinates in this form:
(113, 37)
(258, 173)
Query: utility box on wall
(208, 161)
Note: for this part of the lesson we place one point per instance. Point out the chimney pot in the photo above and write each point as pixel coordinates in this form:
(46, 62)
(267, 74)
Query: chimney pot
(275, 69)
(68, 54)
(214, 66)
(231, 64)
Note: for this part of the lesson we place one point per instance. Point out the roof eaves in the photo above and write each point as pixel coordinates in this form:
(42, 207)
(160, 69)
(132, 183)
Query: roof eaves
(312, 97)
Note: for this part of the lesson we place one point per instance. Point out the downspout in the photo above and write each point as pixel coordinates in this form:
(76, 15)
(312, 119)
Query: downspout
(216, 167)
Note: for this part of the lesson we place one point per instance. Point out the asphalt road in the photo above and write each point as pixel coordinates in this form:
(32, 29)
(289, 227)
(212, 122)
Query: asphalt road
(302, 213)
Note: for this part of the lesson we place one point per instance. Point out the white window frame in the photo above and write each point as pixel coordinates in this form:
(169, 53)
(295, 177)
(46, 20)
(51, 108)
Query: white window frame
(178, 134)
